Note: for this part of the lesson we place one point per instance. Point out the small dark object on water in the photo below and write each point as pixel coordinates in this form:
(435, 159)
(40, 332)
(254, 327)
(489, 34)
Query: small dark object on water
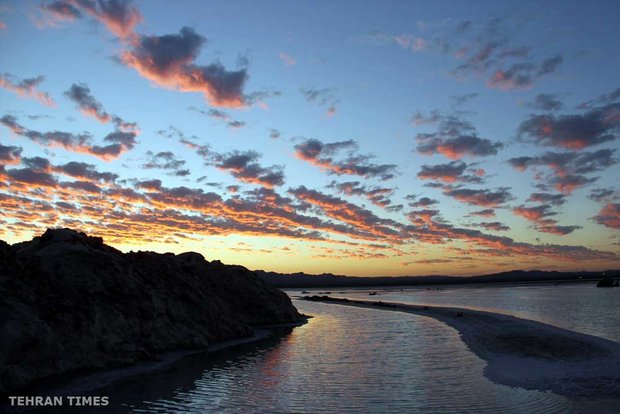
(607, 282)
(459, 314)
(372, 293)
(324, 298)
(426, 308)
(383, 305)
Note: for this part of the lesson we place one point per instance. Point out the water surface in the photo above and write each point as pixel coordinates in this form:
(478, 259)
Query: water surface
(344, 360)
(579, 307)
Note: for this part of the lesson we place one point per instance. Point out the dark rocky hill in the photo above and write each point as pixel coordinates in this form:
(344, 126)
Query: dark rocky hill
(68, 303)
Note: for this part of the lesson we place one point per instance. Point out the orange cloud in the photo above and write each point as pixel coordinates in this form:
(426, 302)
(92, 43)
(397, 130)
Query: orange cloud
(609, 216)
(27, 88)
(168, 61)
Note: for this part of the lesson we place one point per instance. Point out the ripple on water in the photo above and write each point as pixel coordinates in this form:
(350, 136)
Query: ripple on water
(353, 360)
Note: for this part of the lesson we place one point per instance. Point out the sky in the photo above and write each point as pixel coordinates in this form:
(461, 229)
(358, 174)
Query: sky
(360, 138)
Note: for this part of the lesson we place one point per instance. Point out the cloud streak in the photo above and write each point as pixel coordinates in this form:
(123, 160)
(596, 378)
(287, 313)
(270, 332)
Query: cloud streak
(28, 88)
(323, 155)
(80, 94)
(114, 144)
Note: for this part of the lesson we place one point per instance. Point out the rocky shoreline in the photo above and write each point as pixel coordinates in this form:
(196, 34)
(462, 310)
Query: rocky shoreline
(70, 304)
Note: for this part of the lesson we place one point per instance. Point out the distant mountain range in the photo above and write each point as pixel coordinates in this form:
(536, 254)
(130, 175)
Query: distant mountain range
(301, 280)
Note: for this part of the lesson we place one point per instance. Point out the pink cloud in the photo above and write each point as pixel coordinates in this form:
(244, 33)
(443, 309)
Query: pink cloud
(27, 88)
(288, 60)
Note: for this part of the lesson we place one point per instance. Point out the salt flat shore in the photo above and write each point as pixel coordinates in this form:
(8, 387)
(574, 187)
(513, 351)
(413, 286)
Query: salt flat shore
(524, 353)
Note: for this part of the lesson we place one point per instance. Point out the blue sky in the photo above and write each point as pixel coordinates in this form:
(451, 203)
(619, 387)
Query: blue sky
(367, 138)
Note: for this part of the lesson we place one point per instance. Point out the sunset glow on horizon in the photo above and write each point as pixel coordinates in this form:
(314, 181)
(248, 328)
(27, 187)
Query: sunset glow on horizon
(358, 138)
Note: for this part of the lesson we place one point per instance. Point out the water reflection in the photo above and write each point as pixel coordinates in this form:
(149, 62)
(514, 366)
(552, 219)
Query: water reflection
(344, 360)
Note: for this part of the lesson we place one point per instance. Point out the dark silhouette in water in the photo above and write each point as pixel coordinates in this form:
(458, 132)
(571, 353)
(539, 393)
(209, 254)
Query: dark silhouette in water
(607, 282)
(69, 303)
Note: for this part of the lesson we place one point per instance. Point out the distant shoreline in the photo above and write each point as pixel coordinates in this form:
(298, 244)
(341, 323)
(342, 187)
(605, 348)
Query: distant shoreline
(302, 280)
(521, 352)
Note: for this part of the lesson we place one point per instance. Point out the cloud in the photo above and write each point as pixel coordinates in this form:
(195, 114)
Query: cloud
(220, 116)
(432, 261)
(455, 138)
(10, 155)
(62, 10)
(597, 194)
(32, 177)
(323, 97)
(118, 142)
(483, 198)
(569, 183)
(151, 185)
(337, 208)
(168, 61)
(84, 186)
(604, 99)
(494, 226)
(546, 102)
(489, 212)
(546, 198)
(26, 88)
(286, 59)
(568, 168)
(259, 97)
(165, 160)
(487, 49)
(118, 16)
(458, 100)
(576, 131)
(537, 215)
(424, 202)
(522, 75)
(422, 217)
(69, 141)
(321, 154)
(135, 215)
(609, 216)
(534, 213)
(419, 118)
(447, 173)
(274, 133)
(244, 167)
(409, 42)
(86, 102)
(550, 226)
(378, 196)
(86, 171)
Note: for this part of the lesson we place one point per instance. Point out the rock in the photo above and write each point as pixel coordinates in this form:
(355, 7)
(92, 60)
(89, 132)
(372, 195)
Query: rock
(69, 302)
(606, 282)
